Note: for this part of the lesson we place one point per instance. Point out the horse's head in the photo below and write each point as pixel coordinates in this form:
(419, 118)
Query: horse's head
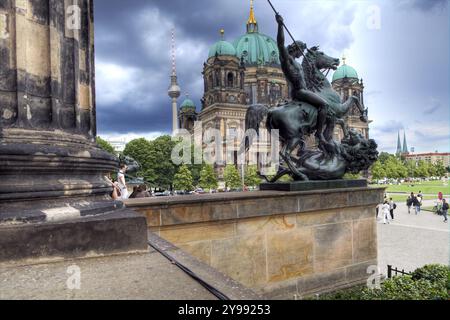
(314, 62)
(321, 60)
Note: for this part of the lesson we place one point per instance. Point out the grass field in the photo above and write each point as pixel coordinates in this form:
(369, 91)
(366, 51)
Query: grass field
(402, 198)
(430, 189)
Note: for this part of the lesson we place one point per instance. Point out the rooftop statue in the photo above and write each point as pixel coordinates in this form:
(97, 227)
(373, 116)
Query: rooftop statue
(315, 108)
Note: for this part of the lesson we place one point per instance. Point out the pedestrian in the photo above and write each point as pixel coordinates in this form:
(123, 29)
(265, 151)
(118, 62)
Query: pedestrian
(392, 208)
(379, 208)
(141, 192)
(416, 204)
(122, 183)
(419, 200)
(445, 208)
(409, 202)
(386, 211)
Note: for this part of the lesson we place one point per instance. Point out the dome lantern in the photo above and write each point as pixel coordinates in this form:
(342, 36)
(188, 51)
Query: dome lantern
(252, 24)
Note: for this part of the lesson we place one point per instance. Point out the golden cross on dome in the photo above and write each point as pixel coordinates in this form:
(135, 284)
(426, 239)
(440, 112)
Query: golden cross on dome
(252, 19)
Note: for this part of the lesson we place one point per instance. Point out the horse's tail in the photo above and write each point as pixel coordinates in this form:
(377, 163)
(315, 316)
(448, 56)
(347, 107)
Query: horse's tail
(255, 115)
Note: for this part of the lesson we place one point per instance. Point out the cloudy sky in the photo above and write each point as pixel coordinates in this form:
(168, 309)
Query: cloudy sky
(399, 47)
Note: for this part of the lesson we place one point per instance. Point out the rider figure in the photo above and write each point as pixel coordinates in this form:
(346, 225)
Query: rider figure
(296, 77)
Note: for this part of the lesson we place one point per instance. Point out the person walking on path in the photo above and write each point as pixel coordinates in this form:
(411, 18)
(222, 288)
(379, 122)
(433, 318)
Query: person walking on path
(379, 209)
(392, 208)
(122, 183)
(416, 204)
(409, 202)
(386, 208)
(419, 202)
(445, 208)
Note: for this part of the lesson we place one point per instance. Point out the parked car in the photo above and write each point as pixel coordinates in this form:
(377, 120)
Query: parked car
(162, 194)
(199, 191)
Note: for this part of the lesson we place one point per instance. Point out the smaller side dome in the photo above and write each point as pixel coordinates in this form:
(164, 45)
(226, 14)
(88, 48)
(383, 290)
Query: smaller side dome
(188, 104)
(222, 48)
(345, 71)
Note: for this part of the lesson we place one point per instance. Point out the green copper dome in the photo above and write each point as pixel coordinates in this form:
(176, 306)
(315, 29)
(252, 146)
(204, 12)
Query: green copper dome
(345, 71)
(257, 49)
(222, 48)
(188, 104)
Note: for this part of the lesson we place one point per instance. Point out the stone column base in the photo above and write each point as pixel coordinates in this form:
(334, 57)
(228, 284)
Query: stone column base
(116, 232)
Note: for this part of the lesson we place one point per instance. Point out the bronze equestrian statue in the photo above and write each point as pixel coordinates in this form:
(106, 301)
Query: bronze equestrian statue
(315, 108)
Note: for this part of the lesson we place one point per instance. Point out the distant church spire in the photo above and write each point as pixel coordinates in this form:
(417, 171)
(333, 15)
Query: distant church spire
(399, 145)
(252, 24)
(174, 89)
(405, 145)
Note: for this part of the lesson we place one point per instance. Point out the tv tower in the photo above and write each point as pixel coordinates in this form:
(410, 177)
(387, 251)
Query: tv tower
(174, 89)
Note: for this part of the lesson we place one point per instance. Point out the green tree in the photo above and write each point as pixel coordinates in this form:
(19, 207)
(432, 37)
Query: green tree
(196, 169)
(421, 171)
(431, 168)
(106, 146)
(440, 169)
(411, 167)
(232, 178)
(384, 156)
(395, 168)
(183, 179)
(208, 178)
(252, 178)
(378, 171)
(140, 150)
(162, 168)
(155, 159)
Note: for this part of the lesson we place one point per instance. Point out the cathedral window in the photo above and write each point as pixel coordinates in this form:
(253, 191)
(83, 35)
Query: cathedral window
(217, 79)
(230, 80)
(210, 81)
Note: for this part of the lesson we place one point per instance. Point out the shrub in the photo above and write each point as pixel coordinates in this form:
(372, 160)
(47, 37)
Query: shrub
(431, 282)
(433, 273)
(406, 288)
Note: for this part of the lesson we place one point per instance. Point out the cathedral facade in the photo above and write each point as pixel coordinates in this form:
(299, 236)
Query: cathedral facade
(247, 71)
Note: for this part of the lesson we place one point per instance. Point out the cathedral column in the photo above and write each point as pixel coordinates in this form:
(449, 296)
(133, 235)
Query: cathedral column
(50, 165)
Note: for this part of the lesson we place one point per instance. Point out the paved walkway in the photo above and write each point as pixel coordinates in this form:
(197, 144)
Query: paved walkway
(411, 241)
(147, 276)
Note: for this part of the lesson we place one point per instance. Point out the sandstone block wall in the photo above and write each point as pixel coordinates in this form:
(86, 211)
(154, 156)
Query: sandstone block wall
(282, 245)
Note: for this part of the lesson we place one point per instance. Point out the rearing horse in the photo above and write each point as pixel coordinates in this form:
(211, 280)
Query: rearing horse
(296, 120)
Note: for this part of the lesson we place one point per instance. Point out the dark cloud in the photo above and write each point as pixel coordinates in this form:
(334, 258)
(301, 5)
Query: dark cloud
(134, 36)
(424, 5)
(433, 107)
(391, 126)
(124, 118)
(133, 55)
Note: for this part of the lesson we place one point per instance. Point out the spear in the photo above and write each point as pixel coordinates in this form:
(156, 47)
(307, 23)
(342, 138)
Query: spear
(290, 34)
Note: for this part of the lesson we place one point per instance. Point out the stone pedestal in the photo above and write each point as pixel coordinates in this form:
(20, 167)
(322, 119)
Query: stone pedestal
(314, 185)
(282, 245)
(51, 169)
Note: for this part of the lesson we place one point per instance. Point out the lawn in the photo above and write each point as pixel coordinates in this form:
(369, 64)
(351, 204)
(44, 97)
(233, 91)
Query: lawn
(402, 198)
(427, 188)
